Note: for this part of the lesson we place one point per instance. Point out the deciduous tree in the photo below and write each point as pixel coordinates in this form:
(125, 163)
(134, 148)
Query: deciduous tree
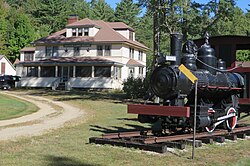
(20, 32)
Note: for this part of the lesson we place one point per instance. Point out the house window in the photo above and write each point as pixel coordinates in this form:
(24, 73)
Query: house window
(76, 51)
(28, 56)
(47, 71)
(79, 31)
(52, 51)
(107, 50)
(140, 56)
(3, 67)
(83, 71)
(102, 71)
(55, 51)
(86, 31)
(73, 31)
(131, 53)
(141, 71)
(32, 71)
(49, 51)
(118, 73)
(131, 71)
(131, 35)
(99, 50)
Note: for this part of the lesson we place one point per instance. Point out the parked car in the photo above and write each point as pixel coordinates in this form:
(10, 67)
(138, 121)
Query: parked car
(8, 81)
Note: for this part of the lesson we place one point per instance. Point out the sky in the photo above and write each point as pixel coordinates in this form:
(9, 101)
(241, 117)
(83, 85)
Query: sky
(243, 4)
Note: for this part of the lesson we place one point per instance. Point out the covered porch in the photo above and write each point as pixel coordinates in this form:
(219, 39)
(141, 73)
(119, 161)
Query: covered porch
(71, 72)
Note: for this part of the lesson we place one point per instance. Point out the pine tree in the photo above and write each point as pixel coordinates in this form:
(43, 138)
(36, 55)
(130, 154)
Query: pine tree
(102, 11)
(126, 11)
(79, 7)
(50, 12)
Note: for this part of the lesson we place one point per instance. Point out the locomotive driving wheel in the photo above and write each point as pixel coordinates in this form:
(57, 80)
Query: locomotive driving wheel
(231, 122)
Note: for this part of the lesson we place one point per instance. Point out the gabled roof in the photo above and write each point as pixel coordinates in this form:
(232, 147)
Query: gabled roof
(28, 49)
(120, 26)
(84, 22)
(134, 63)
(106, 34)
(3, 56)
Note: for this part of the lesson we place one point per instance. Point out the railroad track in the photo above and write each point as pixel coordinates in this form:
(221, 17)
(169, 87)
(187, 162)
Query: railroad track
(145, 140)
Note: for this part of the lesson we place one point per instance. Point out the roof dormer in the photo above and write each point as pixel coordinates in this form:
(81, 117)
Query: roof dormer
(123, 29)
(84, 27)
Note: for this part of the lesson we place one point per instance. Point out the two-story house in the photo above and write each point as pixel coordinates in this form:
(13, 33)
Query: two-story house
(86, 54)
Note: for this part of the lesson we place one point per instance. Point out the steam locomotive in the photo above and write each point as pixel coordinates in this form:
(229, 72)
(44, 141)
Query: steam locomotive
(217, 90)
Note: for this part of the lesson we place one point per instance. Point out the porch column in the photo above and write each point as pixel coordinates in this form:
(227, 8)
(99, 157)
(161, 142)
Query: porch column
(112, 72)
(93, 72)
(74, 71)
(39, 71)
(56, 71)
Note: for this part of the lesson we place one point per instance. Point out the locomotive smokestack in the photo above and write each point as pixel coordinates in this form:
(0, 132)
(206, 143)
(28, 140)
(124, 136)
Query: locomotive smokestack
(176, 47)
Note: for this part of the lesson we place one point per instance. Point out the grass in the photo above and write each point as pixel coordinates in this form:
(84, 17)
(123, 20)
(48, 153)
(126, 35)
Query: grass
(69, 146)
(11, 107)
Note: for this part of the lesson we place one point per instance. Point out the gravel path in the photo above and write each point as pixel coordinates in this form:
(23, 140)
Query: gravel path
(51, 115)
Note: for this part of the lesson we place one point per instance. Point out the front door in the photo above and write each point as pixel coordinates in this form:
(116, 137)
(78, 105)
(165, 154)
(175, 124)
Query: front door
(63, 73)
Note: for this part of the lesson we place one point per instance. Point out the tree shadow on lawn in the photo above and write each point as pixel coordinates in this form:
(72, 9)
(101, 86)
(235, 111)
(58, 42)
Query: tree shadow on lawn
(65, 161)
(129, 119)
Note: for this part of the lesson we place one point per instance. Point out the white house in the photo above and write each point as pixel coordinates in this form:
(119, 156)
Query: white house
(6, 67)
(86, 54)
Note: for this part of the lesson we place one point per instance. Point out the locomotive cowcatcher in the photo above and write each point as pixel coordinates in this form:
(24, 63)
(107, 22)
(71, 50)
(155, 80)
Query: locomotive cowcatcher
(174, 94)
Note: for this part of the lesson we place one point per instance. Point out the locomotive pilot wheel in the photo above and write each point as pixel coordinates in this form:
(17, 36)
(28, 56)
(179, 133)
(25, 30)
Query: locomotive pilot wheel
(231, 122)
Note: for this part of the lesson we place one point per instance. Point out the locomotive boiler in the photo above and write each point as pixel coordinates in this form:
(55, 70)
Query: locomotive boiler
(217, 97)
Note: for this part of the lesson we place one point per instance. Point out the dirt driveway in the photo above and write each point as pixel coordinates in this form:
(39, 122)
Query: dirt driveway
(51, 115)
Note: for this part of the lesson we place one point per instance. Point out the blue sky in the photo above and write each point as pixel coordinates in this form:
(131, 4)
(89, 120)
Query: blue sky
(243, 4)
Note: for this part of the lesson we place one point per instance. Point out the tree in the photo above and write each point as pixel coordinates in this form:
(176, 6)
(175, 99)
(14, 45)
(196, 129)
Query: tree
(243, 55)
(3, 27)
(102, 11)
(16, 3)
(79, 7)
(144, 31)
(20, 32)
(236, 25)
(50, 12)
(126, 11)
(189, 17)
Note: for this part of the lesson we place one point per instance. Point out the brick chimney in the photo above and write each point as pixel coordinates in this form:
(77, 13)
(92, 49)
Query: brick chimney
(72, 18)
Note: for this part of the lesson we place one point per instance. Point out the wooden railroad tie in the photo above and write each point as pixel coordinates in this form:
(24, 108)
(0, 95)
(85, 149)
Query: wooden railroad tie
(144, 140)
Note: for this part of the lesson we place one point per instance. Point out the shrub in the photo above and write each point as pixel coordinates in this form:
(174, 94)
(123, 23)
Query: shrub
(135, 87)
(243, 55)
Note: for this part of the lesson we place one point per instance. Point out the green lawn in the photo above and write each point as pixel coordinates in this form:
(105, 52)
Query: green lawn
(69, 146)
(11, 107)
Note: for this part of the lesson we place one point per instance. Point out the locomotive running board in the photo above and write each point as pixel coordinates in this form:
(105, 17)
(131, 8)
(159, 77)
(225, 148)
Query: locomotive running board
(142, 109)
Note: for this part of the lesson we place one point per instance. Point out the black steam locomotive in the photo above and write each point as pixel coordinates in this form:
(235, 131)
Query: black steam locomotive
(217, 97)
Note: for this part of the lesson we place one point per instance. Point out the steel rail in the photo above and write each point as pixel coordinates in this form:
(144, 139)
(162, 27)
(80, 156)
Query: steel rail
(189, 136)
